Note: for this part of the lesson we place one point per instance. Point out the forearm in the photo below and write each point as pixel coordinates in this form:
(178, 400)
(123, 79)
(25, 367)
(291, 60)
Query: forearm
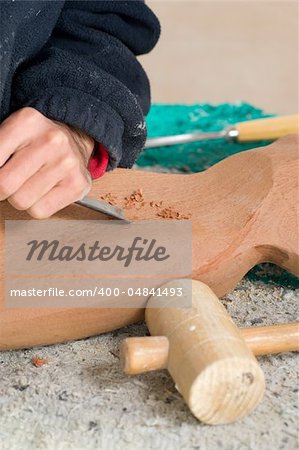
(88, 75)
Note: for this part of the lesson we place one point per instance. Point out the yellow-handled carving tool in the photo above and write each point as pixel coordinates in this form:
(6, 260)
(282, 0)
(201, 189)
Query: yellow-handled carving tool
(252, 130)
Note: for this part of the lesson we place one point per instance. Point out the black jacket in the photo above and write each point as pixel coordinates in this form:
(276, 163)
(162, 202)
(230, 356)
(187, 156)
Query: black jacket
(74, 61)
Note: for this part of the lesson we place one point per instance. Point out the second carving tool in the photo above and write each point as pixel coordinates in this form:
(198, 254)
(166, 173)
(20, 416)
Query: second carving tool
(253, 130)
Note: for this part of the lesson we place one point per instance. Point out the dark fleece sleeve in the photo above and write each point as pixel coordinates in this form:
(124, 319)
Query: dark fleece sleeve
(88, 75)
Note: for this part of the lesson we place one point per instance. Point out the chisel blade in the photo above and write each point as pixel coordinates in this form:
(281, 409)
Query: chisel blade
(184, 138)
(103, 207)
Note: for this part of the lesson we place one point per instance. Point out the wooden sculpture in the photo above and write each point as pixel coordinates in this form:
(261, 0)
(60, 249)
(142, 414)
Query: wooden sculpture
(243, 212)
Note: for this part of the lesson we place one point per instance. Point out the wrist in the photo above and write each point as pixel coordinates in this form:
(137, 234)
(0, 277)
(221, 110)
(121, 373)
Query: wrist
(85, 142)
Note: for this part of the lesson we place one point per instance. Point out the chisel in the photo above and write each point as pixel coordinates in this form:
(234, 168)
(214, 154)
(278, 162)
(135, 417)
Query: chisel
(252, 130)
(103, 207)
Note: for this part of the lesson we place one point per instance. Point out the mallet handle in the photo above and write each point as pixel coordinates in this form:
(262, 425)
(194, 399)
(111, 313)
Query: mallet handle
(145, 354)
(272, 339)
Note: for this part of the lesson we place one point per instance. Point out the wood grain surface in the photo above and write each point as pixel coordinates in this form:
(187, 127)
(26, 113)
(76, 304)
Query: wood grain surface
(244, 212)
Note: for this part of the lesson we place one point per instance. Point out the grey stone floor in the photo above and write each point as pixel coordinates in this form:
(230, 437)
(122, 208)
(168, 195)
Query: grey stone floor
(81, 400)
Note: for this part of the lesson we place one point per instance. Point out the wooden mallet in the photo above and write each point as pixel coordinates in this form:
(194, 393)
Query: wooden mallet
(210, 360)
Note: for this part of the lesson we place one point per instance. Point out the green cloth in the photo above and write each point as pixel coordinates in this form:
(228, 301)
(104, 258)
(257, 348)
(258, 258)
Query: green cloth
(164, 120)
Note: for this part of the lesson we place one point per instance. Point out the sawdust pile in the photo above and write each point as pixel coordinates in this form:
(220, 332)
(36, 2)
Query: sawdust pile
(136, 201)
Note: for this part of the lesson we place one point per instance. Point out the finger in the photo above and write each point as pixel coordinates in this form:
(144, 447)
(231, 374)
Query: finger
(16, 132)
(21, 167)
(36, 187)
(45, 179)
(59, 197)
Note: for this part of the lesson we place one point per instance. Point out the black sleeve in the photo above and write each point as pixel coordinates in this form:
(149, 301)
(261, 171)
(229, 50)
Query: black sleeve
(88, 75)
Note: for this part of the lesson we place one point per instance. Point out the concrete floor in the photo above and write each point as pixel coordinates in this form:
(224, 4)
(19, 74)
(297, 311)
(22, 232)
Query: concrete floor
(80, 400)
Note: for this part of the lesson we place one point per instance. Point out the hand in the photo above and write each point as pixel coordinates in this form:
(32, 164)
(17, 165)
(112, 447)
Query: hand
(43, 163)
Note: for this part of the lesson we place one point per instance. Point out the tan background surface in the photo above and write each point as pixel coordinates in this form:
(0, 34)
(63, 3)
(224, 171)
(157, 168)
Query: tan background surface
(225, 51)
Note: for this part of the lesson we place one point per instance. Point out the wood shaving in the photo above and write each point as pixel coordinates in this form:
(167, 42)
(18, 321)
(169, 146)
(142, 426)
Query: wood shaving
(39, 362)
(135, 200)
(156, 204)
(169, 213)
(109, 198)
